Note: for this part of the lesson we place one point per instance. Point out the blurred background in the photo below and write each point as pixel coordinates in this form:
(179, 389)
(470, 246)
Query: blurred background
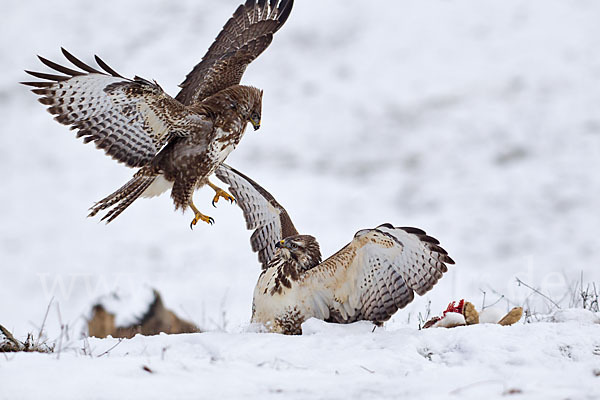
(476, 121)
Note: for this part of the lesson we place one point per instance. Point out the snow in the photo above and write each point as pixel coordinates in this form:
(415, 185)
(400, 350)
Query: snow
(576, 315)
(475, 121)
(491, 315)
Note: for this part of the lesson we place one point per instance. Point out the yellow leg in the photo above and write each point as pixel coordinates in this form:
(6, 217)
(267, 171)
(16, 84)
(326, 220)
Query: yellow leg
(220, 193)
(199, 216)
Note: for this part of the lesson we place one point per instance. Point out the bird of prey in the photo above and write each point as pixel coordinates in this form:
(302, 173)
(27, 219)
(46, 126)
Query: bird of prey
(370, 278)
(175, 142)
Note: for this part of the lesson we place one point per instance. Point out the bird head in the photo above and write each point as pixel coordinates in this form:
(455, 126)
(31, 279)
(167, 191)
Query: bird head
(303, 249)
(255, 120)
(255, 108)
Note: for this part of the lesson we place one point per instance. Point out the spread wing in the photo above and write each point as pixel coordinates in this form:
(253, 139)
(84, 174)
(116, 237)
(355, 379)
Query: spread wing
(262, 212)
(130, 119)
(375, 275)
(243, 38)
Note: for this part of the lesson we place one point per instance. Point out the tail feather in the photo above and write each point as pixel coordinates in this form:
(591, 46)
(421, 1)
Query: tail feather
(122, 198)
(114, 197)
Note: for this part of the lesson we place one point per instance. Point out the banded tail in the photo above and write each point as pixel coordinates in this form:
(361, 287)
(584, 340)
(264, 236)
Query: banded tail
(122, 198)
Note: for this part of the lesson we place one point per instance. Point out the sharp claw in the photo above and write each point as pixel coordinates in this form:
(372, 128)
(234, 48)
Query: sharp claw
(204, 218)
(221, 193)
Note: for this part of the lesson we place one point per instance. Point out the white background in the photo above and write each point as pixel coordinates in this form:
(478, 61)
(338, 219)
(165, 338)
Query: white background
(476, 121)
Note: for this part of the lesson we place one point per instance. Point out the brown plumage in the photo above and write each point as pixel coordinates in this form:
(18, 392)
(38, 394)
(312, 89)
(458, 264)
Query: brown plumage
(175, 143)
(370, 278)
(243, 38)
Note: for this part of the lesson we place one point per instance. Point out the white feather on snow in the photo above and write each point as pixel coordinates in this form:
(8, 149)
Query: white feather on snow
(451, 319)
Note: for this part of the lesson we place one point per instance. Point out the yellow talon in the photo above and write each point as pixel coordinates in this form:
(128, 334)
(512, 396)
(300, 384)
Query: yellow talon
(220, 193)
(201, 217)
(198, 216)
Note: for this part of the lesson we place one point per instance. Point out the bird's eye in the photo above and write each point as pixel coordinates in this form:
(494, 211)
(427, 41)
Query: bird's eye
(294, 246)
(255, 116)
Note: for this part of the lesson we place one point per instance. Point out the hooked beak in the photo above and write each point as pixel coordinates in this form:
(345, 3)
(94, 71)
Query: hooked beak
(255, 124)
(279, 244)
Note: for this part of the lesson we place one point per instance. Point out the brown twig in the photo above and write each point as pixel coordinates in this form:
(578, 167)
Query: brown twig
(45, 317)
(520, 282)
(107, 351)
(367, 369)
(14, 344)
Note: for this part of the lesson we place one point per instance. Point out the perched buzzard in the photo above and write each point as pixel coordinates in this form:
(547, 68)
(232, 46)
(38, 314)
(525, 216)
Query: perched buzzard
(371, 278)
(176, 143)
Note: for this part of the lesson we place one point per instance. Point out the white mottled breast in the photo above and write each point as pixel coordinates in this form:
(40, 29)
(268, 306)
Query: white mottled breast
(268, 307)
(221, 149)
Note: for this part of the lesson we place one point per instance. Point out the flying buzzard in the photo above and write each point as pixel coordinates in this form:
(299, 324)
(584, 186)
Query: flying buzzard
(371, 278)
(176, 143)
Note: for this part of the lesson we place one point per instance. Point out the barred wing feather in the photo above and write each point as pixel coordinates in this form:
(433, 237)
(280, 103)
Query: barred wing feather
(375, 275)
(262, 212)
(130, 119)
(243, 38)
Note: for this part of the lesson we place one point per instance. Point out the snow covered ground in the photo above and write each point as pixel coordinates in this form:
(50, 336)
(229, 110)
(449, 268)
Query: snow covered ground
(476, 121)
(534, 361)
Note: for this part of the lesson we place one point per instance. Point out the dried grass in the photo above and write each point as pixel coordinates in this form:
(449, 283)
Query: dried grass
(8, 343)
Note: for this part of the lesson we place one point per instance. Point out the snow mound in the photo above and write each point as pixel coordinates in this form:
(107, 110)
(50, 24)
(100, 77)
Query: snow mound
(576, 315)
(314, 326)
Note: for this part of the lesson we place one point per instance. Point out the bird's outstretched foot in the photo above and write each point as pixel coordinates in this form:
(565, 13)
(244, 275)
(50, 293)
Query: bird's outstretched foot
(221, 193)
(201, 217)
